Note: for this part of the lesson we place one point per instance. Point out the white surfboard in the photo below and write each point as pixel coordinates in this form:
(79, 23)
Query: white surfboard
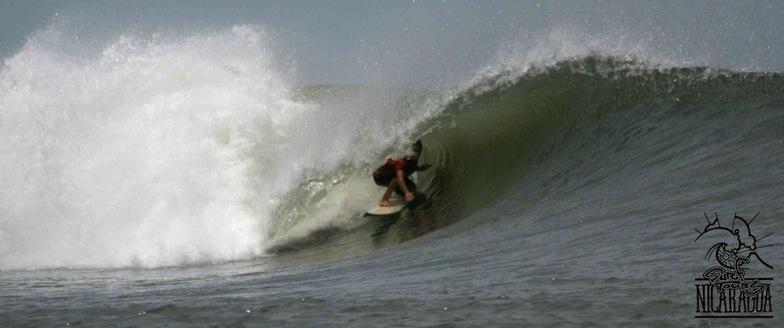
(386, 210)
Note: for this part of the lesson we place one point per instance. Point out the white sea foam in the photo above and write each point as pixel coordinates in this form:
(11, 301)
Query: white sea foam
(155, 152)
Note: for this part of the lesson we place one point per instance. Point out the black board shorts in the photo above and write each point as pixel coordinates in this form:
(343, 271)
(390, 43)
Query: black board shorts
(384, 178)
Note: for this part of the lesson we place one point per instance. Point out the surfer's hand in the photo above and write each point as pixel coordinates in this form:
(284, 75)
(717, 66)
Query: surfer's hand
(409, 196)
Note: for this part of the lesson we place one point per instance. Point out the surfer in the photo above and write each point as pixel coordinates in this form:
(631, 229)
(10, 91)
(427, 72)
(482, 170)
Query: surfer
(394, 175)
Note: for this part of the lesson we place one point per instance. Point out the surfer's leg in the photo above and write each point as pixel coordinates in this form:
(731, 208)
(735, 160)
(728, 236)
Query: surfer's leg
(390, 188)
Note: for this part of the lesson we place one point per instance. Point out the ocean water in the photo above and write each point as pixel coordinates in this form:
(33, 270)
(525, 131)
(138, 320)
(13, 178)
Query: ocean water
(188, 182)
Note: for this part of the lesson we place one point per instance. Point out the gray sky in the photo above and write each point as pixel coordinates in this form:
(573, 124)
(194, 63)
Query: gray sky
(343, 41)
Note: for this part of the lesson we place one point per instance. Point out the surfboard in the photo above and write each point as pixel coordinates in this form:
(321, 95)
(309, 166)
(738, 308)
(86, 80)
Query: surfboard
(378, 210)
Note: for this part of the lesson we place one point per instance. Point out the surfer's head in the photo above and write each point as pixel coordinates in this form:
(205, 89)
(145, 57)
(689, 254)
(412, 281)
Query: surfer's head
(417, 147)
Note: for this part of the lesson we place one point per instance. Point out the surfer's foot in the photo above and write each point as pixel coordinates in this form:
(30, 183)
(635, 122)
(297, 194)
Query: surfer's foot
(385, 202)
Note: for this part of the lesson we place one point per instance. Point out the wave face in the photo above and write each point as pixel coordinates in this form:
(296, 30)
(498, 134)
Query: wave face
(166, 152)
(593, 118)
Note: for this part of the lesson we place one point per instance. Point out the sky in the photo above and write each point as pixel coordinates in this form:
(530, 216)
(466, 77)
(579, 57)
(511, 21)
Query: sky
(418, 41)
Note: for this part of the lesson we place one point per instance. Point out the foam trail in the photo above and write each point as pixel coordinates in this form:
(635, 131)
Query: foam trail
(148, 154)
